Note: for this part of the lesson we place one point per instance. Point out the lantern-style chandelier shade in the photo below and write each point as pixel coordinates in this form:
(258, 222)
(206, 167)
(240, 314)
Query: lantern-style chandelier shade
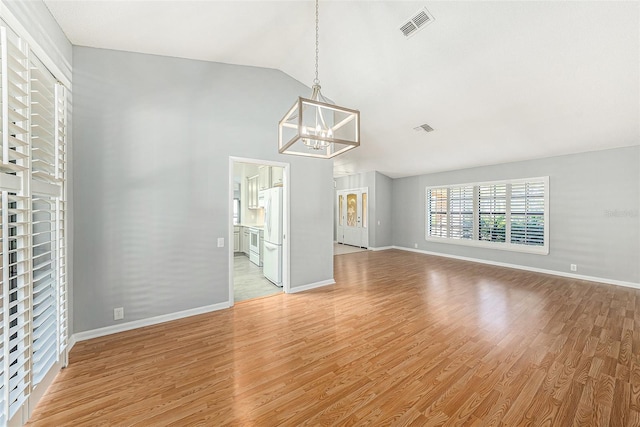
(315, 127)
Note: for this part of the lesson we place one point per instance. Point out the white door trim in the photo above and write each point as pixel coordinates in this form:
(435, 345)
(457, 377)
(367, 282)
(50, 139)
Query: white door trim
(286, 198)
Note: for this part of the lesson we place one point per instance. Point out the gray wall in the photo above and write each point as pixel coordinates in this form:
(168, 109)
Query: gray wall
(153, 136)
(379, 199)
(594, 204)
(383, 224)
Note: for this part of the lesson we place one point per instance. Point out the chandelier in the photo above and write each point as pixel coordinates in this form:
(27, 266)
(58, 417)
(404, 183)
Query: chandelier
(315, 126)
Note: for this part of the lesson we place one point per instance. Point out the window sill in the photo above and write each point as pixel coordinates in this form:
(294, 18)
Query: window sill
(538, 250)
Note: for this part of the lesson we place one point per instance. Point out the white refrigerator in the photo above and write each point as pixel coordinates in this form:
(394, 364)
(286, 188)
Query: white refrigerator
(272, 259)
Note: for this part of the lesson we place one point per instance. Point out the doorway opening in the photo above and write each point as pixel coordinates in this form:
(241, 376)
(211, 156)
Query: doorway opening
(259, 228)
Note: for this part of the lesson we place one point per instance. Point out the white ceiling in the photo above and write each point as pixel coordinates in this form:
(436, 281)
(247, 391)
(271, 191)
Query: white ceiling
(498, 81)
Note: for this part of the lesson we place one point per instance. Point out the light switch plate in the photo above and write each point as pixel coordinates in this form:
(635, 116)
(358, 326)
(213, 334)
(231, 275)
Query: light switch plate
(221, 242)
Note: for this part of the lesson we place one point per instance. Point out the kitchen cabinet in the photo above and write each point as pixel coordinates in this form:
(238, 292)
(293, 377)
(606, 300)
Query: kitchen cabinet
(276, 176)
(264, 177)
(245, 240)
(252, 192)
(236, 239)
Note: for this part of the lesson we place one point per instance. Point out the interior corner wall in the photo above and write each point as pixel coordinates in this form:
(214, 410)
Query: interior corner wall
(152, 141)
(594, 222)
(383, 200)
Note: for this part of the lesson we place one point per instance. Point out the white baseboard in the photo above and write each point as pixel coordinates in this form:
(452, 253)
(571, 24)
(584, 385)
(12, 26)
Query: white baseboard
(71, 343)
(100, 332)
(312, 286)
(381, 248)
(522, 267)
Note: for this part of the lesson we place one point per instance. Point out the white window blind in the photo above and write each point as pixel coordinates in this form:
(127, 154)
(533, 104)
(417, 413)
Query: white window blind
(437, 207)
(461, 212)
(43, 127)
(61, 215)
(15, 102)
(14, 77)
(492, 215)
(44, 289)
(33, 284)
(527, 213)
(508, 215)
(16, 281)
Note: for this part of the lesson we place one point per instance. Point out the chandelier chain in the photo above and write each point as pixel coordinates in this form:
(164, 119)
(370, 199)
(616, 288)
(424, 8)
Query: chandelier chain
(316, 81)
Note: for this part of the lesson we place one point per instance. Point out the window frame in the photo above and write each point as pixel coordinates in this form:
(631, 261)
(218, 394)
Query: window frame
(475, 241)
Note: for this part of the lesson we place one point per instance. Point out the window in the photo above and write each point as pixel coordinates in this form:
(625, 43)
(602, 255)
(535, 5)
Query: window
(352, 210)
(364, 210)
(437, 212)
(236, 211)
(528, 213)
(492, 212)
(461, 212)
(509, 215)
(33, 283)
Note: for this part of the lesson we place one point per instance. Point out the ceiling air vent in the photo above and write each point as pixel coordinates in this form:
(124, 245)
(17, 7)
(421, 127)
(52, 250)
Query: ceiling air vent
(416, 22)
(423, 128)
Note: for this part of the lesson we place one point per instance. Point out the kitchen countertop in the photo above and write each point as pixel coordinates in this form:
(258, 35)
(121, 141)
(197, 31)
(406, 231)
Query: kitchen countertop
(259, 227)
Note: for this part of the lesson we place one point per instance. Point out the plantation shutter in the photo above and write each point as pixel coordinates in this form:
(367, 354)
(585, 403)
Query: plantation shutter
(437, 212)
(16, 270)
(43, 168)
(492, 212)
(44, 289)
(461, 212)
(527, 213)
(15, 102)
(506, 215)
(61, 214)
(43, 129)
(33, 283)
(16, 284)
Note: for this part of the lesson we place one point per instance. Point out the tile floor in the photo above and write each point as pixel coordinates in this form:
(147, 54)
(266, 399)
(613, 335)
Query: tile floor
(248, 281)
(340, 249)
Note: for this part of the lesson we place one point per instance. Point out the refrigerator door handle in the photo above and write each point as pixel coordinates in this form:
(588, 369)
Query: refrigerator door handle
(270, 246)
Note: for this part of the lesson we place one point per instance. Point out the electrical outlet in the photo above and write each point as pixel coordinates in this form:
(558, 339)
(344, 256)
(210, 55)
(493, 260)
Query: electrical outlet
(415, 245)
(118, 313)
(221, 242)
(574, 267)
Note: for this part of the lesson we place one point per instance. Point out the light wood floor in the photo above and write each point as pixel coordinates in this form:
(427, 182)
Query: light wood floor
(401, 339)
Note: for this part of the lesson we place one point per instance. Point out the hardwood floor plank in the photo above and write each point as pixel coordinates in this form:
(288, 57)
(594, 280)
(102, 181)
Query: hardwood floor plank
(569, 404)
(621, 413)
(525, 398)
(401, 339)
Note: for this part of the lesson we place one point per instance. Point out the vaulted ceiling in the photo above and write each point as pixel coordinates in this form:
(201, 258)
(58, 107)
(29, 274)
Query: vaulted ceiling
(498, 81)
